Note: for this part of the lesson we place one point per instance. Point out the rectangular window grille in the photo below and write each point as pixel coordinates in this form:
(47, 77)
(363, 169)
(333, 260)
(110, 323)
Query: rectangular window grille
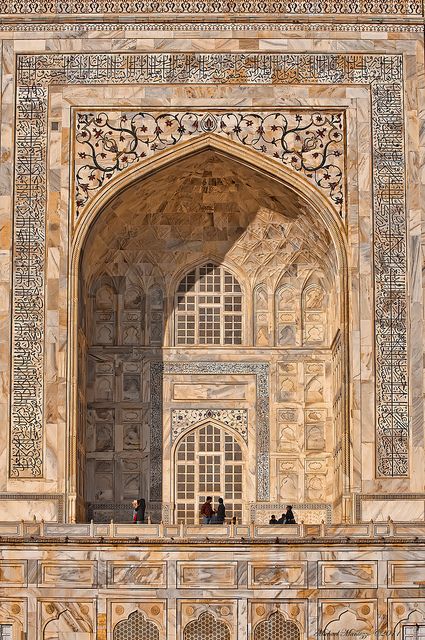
(5, 632)
(414, 632)
(208, 308)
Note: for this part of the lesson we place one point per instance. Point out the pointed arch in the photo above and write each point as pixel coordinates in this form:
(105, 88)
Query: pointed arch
(278, 627)
(302, 197)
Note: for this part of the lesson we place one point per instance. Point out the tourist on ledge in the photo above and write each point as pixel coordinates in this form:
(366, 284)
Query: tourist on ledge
(220, 514)
(289, 515)
(273, 520)
(139, 507)
(207, 511)
(282, 519)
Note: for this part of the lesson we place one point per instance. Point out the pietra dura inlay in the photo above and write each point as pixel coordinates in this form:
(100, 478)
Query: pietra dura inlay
(382, 73)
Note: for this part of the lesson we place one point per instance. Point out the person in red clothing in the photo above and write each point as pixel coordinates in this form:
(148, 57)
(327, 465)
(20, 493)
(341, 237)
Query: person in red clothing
(207, 511)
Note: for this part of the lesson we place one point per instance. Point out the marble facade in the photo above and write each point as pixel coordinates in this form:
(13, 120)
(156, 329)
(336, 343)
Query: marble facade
(279, 147)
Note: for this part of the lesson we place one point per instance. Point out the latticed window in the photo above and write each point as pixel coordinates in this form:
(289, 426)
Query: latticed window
(276, 627)
(206, 627)
(5, 632)
(208, 463)
(136, 627)
(414, 632)
(208, 307)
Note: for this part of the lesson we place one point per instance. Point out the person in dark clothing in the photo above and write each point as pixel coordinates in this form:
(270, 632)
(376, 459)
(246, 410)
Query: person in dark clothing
(289, 516)
(220, 515)
(282, 519)
(139, 508)
(207, 511)
(273, 520)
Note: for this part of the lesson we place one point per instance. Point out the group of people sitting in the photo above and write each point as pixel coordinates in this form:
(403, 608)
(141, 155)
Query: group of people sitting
(213, 516)
(209, 514)
(286, 518)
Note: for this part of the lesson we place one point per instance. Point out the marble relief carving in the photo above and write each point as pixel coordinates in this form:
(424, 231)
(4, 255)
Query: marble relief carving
(136, 626)
(383, 73)
(341, 620)
(131, 620)
(294, 7)
(235, 419)
(208, 619)
(278, 619)
(64, 618)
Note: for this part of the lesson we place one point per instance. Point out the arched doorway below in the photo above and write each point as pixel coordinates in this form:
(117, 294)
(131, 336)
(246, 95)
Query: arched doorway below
(209, 461)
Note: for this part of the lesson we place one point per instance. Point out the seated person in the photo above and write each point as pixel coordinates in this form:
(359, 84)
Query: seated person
(282, 519)
(273, 520)
(289, 515)
(220, 514)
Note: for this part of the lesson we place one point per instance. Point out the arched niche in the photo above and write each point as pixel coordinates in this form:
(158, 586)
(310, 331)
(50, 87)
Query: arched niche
(207, 200)
(210, 447)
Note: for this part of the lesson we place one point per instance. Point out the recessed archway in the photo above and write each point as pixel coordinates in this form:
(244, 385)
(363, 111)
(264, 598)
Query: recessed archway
(210, 205)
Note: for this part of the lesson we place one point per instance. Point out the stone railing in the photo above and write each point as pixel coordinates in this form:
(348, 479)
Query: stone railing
(160, 533)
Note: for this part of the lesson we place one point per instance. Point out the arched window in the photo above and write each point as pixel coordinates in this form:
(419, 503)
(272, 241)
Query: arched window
(276, 627)
(208, 307)
(136, 627)
(208, 463)
(206, 627)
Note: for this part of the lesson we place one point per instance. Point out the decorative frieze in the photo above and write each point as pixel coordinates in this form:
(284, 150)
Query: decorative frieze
(214, 7)
(183, 419)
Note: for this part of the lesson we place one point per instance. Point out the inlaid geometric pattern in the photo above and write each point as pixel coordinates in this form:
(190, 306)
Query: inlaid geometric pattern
(206, 627)
(276, 628)
(382, 73)
(136, 627)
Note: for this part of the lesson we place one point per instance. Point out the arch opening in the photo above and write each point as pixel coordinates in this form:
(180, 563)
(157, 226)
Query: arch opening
(204, 264)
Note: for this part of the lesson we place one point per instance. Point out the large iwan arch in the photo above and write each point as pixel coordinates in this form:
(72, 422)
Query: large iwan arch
(208, 199)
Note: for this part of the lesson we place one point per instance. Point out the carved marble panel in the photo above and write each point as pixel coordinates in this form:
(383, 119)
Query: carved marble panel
(134, 618)
(235, 419)
(282, 575)
(67, 573)
(142, 575)
(277, 619)
(406, 574)
(202, 619)
(13, 574)
(203, 575)
(350, 574)
(341, 620)
(67, 618)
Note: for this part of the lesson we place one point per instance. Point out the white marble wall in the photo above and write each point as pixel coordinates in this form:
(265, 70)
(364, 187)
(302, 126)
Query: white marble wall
(52, 494)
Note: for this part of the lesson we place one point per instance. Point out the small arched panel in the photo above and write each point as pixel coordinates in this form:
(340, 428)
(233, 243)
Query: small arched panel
(206, 627)
(277, 627)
